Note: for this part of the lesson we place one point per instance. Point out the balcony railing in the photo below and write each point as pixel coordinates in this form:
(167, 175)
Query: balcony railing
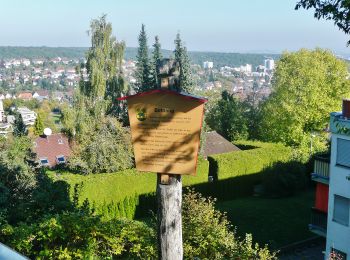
(321, 170)
(318, 222)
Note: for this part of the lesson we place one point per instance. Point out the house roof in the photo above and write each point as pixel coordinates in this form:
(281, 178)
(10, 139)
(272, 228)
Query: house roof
(52, 146)
(43, 93)
(25, 95)
(171, 92)
(217, 144)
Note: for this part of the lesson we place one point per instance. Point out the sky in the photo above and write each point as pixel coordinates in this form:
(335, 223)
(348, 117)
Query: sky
(222, 25)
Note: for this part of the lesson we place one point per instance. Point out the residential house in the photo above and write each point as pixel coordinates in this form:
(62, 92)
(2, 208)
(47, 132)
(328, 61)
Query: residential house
(41, 95)
(52, 149)
(2, 96)
(5, 128)
(25, 96)
(8, 96)
(28, 116)
(331, 213)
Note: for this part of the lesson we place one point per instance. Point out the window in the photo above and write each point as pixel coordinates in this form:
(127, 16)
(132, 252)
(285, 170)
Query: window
(343, 152)
(341, 210)
(44, 161)
(60, 159)
(337, 254)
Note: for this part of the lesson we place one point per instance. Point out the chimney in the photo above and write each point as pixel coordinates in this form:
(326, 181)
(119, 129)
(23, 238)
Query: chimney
(346, 108)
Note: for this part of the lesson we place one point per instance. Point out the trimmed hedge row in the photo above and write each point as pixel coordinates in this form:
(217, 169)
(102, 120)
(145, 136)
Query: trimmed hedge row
(131, 194)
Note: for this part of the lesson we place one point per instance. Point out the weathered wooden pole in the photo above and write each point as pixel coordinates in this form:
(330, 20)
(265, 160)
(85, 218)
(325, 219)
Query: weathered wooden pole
(169, 190)
(169, 196)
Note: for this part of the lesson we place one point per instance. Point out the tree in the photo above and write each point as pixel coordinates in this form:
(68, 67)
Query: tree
(103, 147)
(38, 126)
(306, 87)
(103, 66)
(181, 57)
(338, 11)
(156, 57)
(143, 66)
(19, 128)
(228, 118)
(207, 233)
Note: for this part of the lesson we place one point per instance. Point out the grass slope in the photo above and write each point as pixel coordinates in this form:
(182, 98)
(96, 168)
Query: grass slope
(276, 222)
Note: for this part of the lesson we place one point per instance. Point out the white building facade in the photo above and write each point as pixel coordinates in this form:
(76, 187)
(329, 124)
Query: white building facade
(338, 230)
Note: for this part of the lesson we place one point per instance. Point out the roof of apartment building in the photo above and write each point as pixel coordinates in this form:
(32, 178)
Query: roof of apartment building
(52, 149)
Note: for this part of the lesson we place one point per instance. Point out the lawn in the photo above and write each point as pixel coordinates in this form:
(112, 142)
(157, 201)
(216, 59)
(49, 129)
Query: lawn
(277, 222)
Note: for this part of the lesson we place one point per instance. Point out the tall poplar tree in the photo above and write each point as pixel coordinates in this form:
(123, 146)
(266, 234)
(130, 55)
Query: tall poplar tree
(143, 67)
(185, 78)
(156, 56)
(103, 66)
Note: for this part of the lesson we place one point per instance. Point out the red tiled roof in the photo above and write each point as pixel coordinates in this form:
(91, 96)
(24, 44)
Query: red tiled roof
(25, 95)
(52, 146)
(43, 93)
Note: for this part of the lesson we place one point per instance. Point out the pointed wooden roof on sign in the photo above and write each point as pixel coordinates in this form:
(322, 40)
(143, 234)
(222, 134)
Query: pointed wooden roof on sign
(171, 92)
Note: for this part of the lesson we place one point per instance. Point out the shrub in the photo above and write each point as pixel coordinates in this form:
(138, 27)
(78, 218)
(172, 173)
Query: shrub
(77, 235)
(284, 179)
(207, 233)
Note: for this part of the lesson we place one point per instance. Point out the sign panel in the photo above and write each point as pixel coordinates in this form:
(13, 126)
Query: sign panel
(165, 130)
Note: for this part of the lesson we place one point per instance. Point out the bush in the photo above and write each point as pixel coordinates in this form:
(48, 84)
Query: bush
(207, 233)
(77, 235)
(284, 179)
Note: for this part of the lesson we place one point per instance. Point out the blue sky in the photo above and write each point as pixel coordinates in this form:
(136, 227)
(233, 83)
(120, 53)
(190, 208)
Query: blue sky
(221, 25)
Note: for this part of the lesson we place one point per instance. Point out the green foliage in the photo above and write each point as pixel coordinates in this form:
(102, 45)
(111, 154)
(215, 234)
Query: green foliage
(143, 72)
(156, 57)
(103, 148)
(17, 176)
(284, 179)
(338, 11)
(207, 233)
(105, 78)
(236, 164)
(228, 117)
(38, 126)
(307, 86)
(108, 191)
(78, 235)
(19, 128)
(186, 83)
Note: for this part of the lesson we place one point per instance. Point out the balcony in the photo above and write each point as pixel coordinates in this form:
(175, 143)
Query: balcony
(318, 222)
(321, 170)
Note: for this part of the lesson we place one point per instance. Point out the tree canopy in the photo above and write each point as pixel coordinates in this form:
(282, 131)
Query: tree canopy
(307, 86)
(338, 11)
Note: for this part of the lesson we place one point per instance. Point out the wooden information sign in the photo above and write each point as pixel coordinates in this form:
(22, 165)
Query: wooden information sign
(165, 129)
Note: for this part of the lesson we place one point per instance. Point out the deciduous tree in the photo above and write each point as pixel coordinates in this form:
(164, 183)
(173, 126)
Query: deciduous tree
(307, 86)
(338, 11)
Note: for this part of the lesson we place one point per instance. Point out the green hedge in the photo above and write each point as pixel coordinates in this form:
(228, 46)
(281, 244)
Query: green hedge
(130, 193)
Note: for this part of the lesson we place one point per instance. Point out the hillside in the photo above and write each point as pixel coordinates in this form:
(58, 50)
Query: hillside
(219, 58)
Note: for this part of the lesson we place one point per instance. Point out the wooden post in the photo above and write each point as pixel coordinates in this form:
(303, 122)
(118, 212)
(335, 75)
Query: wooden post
(169, 217)
(169, 198)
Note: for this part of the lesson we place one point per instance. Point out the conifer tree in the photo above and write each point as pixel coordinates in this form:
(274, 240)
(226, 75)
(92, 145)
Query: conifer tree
(38, 126)
(185, 78)
(143, 67)
(19, 128)
(156, 56)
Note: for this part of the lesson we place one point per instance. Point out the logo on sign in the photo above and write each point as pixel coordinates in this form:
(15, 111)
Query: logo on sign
(141, 114)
